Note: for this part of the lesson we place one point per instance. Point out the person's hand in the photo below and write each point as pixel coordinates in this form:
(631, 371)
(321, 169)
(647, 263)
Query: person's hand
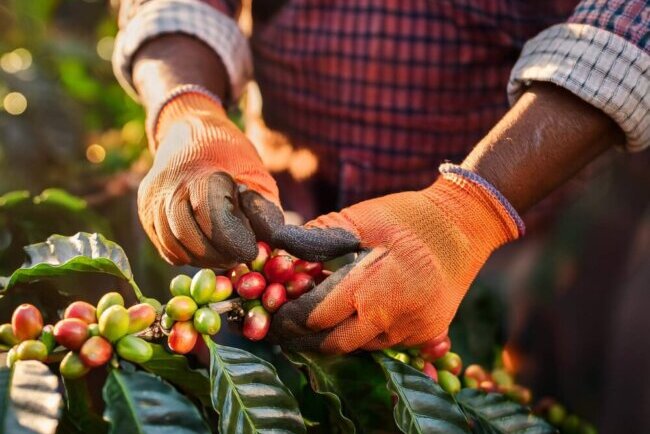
(420, 253)
(207, 197)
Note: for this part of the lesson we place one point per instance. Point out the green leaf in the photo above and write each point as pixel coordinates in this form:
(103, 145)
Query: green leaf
(80, 253)
(175, 369)
(325, 383)
(248, 395)
(79, 416)
(493, 413)
(141, 403)
(422, 406)
(29, 400)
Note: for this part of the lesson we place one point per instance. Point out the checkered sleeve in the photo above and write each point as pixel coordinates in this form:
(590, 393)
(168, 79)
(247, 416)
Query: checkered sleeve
(211, 21)
(602, 55)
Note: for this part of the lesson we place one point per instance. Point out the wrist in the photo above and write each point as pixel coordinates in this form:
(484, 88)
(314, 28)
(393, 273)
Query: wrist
(180, 102)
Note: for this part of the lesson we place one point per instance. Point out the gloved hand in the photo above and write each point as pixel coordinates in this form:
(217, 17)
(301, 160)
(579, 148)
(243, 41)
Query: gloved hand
(207, 197)
(420, 253)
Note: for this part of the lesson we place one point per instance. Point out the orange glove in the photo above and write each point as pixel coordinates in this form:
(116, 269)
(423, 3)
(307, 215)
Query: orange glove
(421, 252)
(207, 197)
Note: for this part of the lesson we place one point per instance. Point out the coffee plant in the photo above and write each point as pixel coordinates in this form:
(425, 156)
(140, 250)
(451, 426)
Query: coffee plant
(81, 358)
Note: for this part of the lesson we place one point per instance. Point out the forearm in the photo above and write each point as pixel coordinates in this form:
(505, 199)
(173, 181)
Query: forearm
(172, 60)
(545, 138)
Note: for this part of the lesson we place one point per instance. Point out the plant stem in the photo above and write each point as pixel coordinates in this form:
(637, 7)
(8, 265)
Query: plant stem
(232, 307)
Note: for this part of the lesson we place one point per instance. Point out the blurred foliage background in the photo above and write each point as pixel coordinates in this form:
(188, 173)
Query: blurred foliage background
(569, 304)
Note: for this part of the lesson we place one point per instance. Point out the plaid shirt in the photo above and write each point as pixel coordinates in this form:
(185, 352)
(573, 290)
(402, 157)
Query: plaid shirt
(384, 91)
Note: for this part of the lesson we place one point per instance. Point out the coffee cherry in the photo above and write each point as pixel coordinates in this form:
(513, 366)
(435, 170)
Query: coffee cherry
(298, 284)
(93, 330)
(141, 316)
(587, 428)
(236, 272)
(256, 323)
(114, 323)
(450, 362)
(47, 337)
(436, 349)
(519, 394)
(12, 356)
(71, 333)
(476, 373)
(81, 310)
(430, 371)
(279, 269)
(181, 308)
(203, 286)
(166, 322)
(502, 378)
(487, 386)
(449, 382)
(134, 349)
(571, 424)
(72, 367)
(274, 296)
(109, 299)
(223, 289)
(96, 351)
(263, 254)
(418, 363)
(556, 414)
(207, 321)
(314, 269)
(251, 285)
(180, 285)
(7, 335)
(157, 307)
(26, 322)
(31, 350)
(183, 337)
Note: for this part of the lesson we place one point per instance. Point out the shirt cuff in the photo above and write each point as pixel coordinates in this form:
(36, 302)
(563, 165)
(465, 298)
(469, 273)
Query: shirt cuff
(190, 17)
(596, 65)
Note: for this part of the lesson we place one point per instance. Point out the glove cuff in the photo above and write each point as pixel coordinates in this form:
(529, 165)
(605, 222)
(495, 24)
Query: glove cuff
(450, 171)
(153, 118)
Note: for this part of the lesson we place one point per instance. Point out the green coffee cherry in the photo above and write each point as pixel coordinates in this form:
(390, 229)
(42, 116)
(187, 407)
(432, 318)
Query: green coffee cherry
(12, 356)
(134, 349)
(72, 367)
(157, 306)
(450, 362)
(93, 330)
(449, 382)
(180, 285)
(7, 335)
(166, 322)
(31, 350)
(109, 299)
(207, 321)
(571, 424)
(47, 337)
(502, 378)
(181, 308)
(114, 323)
(417, 363)
(556, 414)
(203, 285)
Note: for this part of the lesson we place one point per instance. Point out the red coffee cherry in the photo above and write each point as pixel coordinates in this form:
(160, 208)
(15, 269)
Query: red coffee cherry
(251, 285)
(27, 322)
(96, 351)
(298, 284)
(263, 254)
(236, 272)
(435, 349)
(81, 310)
(256, 323)
(430, 371)
(314, 269)
(71, 333)
(279, 269)
(274, 297)
(450, 362)
(182, 337)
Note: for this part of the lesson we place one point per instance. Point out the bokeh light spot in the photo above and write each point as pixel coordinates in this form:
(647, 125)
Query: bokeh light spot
(15, 103)
(95, 153)
(105, 47)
